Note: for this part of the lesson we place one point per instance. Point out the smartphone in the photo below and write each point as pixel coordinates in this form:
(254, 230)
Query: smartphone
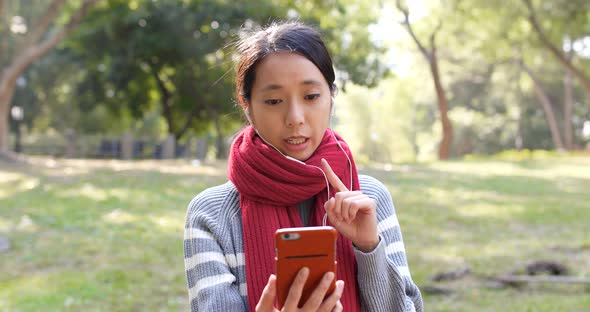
(312, 247)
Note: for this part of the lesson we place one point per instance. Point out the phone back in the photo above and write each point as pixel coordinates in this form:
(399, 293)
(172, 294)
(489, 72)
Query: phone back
(312, 247)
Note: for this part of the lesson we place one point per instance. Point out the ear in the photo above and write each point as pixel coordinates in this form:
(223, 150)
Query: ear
(243, 102)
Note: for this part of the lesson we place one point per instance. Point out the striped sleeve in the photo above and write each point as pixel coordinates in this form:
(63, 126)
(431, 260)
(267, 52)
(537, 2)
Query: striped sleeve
(210, 273)
(395, 290)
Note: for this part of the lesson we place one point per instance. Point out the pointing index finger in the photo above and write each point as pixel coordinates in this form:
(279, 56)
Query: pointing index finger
(332, 177)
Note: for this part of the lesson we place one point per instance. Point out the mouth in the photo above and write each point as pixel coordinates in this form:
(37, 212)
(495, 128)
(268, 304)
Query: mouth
(296, 140)
(296, 144)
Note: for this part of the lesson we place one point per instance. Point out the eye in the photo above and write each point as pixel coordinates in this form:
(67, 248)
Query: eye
(273, 101)
(311, 97)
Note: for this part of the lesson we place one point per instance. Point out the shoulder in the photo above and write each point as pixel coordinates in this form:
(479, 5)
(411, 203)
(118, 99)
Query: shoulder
(373, 187)
(376, 190)
(213, 202)
(215, 195)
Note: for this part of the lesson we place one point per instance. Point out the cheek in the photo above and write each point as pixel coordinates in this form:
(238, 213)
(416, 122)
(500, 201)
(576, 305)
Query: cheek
(324, 118)
(267, 124)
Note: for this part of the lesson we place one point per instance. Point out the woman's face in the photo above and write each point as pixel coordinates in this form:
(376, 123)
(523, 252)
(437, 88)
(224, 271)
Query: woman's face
(290, 104)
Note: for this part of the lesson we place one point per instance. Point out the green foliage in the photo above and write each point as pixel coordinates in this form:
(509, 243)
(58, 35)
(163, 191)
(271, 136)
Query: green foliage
(173, 58)
(167, 66)
(491, 101)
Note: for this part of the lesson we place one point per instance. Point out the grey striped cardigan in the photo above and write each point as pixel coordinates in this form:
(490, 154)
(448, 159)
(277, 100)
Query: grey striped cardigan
(214, 255)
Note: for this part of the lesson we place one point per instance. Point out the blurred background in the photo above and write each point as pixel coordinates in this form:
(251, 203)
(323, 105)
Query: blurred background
(475, 114)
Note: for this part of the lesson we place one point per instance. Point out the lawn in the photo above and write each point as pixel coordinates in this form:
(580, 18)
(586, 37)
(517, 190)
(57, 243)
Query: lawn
(107, 235)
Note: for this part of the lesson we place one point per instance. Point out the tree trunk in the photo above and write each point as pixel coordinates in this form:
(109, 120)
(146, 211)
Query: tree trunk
(6, 93)
(165, 101)
(568, 108)
(189, 119)
(442, 101)
(32, 50)
(443, 108)
(414, 135)
(219, 142)
(568, 111)
(546, 105)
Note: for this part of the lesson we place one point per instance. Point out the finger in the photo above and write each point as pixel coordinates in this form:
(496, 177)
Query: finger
(338, 307)
(340, 197)
(351, 206)
(329, 206)
(332, 177)
(331, 303)
(292, 301)
(267, 298)
(317, 296)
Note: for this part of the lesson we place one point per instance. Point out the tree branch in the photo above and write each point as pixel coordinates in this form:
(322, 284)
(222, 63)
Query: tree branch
(161, 84)
(74, 21)
(410, 30)
(37, 32)
(434, 33)
(558, 53)
(167, 111)
(546, 104)
(537, 27)
(187, 122)
(3, 42)
(34, 52)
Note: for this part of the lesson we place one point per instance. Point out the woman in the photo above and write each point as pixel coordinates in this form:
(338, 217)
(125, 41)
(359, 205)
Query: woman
(289, 169)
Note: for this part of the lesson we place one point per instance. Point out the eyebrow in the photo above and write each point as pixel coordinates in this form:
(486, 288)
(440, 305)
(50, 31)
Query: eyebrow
(305, 82)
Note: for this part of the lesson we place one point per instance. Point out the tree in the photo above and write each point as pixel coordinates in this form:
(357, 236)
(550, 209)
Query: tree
(176, 57)
(430, 54)
(43, 37)
(503, 33)
(557, 52)
(568, 107)
(546, 104)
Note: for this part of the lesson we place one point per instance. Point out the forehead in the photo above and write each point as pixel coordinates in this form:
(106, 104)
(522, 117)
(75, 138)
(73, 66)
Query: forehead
(286, 69)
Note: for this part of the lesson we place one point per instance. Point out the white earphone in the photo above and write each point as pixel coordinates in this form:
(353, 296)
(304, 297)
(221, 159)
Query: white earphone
(325, 218)
(247, 113)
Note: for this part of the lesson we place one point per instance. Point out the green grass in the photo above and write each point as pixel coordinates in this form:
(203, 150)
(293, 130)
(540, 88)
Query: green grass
(107, 235)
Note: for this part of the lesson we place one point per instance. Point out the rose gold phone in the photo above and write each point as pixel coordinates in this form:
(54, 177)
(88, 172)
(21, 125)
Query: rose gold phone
(312, 247)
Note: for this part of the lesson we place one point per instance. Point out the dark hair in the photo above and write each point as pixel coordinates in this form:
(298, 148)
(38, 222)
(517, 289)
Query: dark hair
(280, 37)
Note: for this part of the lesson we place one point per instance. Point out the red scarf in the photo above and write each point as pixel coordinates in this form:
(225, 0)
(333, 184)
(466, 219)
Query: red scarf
(270, 187)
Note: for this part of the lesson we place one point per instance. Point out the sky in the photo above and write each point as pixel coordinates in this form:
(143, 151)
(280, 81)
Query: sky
(389, 32)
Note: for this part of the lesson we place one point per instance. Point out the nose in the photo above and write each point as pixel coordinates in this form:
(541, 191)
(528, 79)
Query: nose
(295, 114)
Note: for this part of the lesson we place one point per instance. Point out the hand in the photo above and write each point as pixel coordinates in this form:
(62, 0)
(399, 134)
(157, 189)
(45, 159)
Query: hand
(315, 302)
(352, 213)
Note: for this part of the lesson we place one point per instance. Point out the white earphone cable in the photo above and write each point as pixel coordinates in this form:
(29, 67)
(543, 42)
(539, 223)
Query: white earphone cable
(325, 218)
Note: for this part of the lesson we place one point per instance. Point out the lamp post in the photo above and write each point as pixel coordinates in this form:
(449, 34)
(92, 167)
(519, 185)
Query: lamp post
(17, 114)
